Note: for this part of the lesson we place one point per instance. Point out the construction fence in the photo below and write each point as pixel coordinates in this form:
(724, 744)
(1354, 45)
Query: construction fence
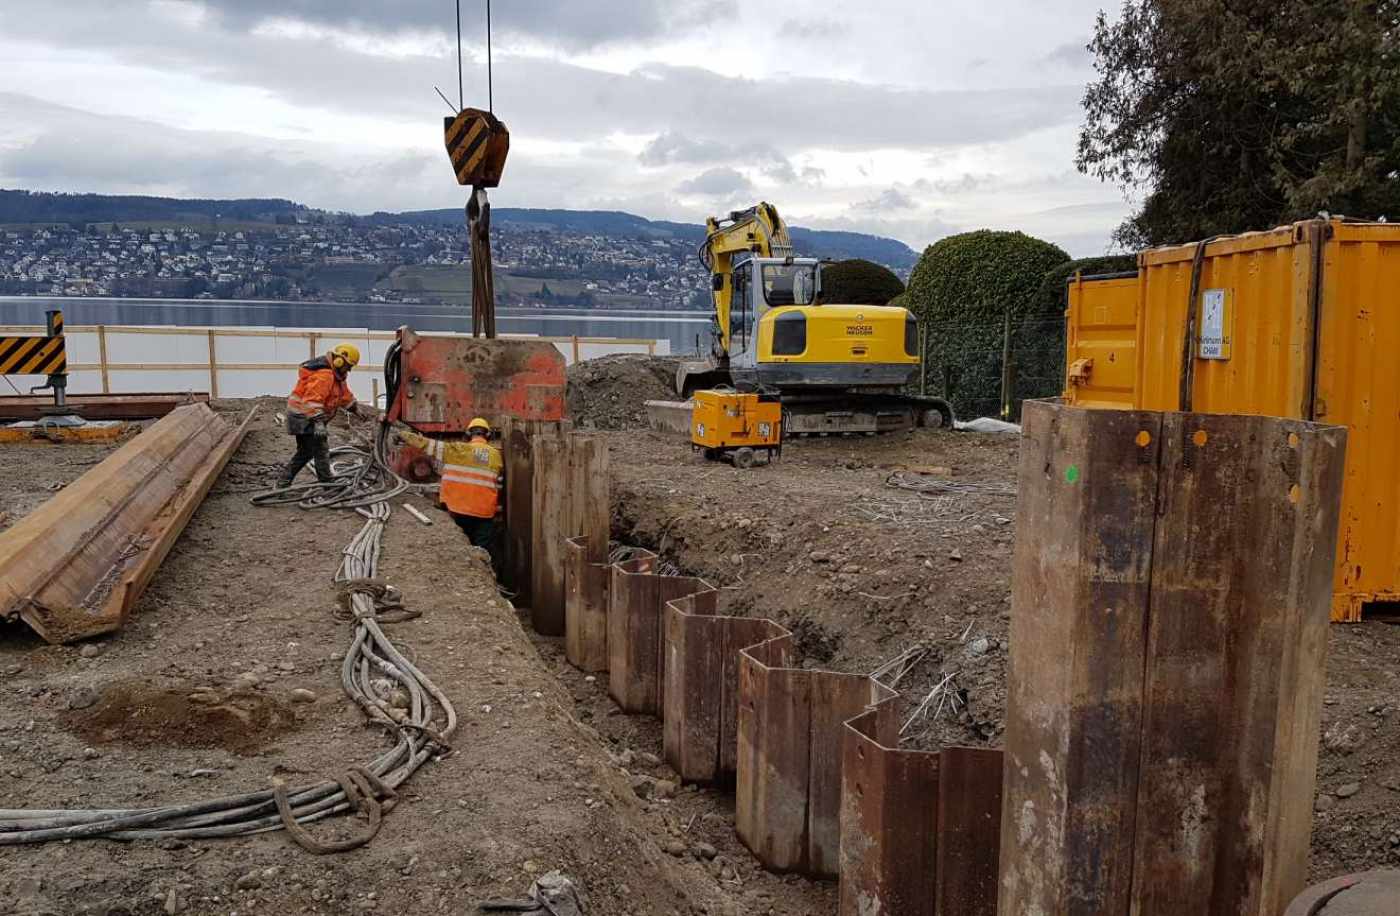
(989, 370)
(245, 362)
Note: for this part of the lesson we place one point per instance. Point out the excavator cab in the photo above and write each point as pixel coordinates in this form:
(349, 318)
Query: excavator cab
(762, 285)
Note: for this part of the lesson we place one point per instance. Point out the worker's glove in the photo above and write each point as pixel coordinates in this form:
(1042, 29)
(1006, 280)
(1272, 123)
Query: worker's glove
(320, 429)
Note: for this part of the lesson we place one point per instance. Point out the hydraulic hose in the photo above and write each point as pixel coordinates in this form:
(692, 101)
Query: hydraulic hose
(362, 482)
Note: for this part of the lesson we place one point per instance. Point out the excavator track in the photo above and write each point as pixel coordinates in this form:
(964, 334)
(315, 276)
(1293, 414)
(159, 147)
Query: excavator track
(847, 414)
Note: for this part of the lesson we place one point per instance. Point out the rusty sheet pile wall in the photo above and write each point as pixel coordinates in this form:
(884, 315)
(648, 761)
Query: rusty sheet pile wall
(701, 720)
(1169, 623)
(920, 831)
(735, 707)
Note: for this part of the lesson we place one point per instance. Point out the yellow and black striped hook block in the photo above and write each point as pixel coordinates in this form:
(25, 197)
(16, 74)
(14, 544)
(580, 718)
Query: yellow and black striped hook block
(477, 143)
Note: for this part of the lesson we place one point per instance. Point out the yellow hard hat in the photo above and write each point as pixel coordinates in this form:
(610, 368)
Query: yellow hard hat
(349, 353)
(478, 423)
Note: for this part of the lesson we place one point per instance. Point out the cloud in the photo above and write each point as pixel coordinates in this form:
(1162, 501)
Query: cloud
(673, 146)
(889, 199)
(563, 23)
(554, 99)
(645, 103)
(810, 29)
(1073, 54)
(721, 181)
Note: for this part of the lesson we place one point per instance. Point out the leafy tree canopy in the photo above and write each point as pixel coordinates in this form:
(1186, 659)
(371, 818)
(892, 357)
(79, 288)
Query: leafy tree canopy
(1245, 115)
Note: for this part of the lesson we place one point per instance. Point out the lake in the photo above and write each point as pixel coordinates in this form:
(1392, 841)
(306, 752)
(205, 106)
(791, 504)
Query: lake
(680, 328)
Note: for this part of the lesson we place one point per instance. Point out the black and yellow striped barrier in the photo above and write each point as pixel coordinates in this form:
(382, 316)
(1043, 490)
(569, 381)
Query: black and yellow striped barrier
(32, 355)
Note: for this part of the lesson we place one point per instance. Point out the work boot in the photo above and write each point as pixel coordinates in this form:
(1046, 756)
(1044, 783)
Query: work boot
(289, 474)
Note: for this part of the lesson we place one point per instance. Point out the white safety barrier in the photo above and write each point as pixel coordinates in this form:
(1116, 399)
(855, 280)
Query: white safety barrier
(246, 362)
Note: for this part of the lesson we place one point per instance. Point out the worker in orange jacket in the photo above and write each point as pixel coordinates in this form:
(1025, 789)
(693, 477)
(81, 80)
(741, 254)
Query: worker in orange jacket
(473, 483)
(320, 393)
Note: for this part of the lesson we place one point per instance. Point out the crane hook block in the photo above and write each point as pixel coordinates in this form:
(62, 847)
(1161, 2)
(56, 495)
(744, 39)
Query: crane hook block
(477, 143)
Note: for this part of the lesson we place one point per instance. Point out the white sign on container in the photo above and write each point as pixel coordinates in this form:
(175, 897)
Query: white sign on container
(1215, 324)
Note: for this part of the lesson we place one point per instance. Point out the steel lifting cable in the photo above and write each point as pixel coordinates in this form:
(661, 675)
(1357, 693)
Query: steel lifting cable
(372, 672)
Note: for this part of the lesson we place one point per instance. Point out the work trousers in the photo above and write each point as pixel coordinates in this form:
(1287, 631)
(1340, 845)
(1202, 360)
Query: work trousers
(484, 533)
(311, 449)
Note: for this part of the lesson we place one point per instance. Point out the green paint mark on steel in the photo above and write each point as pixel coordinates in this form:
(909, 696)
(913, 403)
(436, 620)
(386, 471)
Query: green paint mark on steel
(1072, 473)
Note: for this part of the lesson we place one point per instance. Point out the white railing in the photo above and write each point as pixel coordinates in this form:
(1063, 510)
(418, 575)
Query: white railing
(245, 362)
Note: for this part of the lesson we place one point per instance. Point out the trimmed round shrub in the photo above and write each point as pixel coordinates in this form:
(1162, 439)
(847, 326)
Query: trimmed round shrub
(859, 282)
(964, 289)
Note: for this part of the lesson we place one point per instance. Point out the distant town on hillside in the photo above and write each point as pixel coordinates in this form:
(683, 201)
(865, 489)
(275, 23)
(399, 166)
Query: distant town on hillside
(98, 245)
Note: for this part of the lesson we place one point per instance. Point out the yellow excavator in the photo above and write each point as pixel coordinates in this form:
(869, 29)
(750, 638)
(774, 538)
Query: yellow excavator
(837, 368)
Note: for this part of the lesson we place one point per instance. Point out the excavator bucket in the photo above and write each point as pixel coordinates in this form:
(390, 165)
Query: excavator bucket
(443, 382)
(477, 143)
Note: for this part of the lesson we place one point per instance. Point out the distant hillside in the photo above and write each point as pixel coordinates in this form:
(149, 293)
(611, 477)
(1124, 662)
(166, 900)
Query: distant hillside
(809, 242)
(41, 207)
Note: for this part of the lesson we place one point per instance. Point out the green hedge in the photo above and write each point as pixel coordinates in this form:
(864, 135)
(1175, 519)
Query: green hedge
(962, 290)
(859, 282)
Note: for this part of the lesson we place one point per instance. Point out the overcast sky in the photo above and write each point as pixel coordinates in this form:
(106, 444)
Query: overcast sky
(908, 118)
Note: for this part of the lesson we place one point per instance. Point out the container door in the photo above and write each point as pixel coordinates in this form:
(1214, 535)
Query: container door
(1101, 328)
(1358, 385)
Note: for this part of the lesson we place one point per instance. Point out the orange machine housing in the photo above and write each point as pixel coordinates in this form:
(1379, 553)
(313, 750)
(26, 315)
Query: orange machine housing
(727, 420)
(443, 382)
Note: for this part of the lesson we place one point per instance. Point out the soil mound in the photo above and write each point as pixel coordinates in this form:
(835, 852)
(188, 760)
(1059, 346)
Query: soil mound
(611, 392)
(241, 722)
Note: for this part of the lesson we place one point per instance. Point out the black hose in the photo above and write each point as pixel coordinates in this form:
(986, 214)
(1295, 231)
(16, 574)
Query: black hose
(393, 373)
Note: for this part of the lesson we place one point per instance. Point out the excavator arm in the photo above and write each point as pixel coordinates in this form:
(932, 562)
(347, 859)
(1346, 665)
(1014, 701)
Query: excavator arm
(759, 232)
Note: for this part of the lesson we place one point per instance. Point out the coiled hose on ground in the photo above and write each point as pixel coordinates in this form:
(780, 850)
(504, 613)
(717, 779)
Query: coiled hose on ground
(373, 670)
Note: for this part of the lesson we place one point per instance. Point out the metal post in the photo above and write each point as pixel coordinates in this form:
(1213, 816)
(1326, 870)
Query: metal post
(923, 360)
(213, 369)
(1006, 369)
(102, 357)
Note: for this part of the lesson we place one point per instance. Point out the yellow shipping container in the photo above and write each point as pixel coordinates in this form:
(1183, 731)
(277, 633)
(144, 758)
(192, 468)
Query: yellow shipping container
(1301, 321)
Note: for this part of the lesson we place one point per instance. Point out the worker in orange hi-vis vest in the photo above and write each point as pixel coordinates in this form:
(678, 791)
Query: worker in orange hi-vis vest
(320, 393)
(473, 483)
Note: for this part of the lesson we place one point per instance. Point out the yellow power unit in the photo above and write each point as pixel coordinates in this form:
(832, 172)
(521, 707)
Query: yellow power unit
(735, 426)
(1302, 321)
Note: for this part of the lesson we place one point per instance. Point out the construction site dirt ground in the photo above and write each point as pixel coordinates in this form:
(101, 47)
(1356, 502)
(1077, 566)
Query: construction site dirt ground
(195, 698)
(546, 773)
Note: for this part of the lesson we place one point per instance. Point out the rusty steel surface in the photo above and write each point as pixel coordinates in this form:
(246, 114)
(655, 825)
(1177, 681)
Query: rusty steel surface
(75, 566)
(702, 685)
(446, 381)
(920, 830)
(99, 406)
(1169, 608)
(637, 599)
(517, 439)
(1372, 893)
(969, 830)
(585, 605)
(889, 821)
(788, 808)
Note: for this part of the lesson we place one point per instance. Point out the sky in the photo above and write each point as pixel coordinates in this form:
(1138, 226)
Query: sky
(913, 119)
